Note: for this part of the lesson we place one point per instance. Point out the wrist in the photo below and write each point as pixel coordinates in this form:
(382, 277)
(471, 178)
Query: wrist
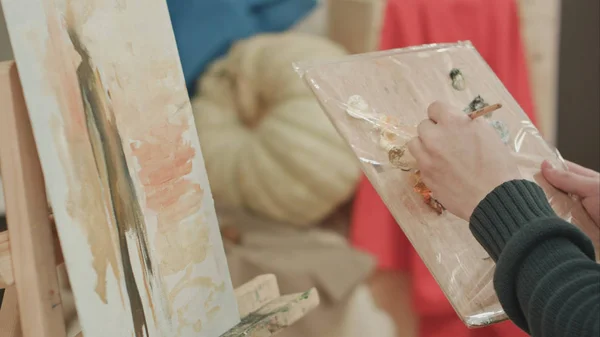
(504, 211)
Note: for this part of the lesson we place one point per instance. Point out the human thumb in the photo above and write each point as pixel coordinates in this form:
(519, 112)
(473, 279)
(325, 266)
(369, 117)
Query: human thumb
(569, 182)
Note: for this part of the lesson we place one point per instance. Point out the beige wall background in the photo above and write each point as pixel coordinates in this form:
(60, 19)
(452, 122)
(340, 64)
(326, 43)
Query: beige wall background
(540, 29)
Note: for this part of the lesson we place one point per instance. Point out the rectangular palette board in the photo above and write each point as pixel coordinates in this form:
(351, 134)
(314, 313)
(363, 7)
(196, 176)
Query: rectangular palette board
(396, 87)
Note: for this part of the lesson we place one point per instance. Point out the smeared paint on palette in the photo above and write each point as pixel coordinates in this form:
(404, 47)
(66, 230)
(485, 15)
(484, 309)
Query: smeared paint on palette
(123, 166)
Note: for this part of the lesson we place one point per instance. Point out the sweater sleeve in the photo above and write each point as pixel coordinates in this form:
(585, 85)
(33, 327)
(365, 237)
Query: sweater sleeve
(546, 277)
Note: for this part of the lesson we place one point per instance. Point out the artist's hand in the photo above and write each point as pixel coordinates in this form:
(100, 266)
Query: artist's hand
(580, 181)
(461, 160)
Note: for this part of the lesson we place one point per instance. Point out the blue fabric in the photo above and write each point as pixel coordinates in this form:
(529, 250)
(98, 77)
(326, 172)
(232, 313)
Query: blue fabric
(205, 29)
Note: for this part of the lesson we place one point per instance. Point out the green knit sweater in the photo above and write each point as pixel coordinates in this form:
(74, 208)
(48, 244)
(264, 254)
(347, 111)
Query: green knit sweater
(546, 276)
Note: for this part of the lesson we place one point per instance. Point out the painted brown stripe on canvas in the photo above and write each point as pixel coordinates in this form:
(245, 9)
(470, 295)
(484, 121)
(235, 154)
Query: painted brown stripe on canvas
(107, 145)
(85, 192)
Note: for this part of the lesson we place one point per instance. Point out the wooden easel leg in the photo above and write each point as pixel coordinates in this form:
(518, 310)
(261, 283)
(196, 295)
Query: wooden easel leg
(29, 229)
(9, 315)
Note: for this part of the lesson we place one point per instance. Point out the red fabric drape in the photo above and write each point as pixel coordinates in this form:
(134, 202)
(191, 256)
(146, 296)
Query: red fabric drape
(493, 28)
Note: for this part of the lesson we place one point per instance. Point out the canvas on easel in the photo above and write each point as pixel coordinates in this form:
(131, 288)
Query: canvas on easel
(35, 304)
(123, 168)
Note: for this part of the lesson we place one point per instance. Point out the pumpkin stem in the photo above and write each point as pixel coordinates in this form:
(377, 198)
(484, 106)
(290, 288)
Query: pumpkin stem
(250, 107)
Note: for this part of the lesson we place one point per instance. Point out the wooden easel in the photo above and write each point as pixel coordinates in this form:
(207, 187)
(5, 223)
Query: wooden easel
(30, 251)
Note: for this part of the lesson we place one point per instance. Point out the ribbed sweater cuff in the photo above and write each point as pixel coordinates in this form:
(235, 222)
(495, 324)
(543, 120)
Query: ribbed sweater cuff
(504, 211)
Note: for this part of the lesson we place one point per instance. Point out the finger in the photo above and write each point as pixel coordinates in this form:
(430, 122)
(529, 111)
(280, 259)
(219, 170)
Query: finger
(417, 149)
(440, 112)
(425, 128)
(570, 182)
(575, 168)
(582, 171)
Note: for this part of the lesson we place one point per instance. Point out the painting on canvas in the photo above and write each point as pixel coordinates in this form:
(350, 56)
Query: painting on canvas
(123, 167)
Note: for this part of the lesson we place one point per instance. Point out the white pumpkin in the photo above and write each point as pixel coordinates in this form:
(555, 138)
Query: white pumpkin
(267, 144)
